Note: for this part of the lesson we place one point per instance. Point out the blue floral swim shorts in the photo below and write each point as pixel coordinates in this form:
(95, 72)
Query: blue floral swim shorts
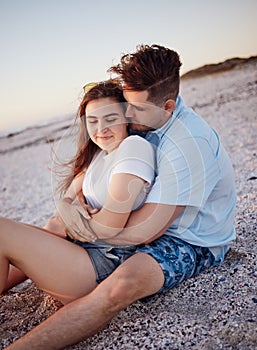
(178, 259)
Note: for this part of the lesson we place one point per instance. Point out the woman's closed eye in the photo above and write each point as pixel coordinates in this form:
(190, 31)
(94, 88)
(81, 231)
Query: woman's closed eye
(91, 121)
(111, 119)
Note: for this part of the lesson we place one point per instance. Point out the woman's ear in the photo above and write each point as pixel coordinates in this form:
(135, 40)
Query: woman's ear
(169, 106)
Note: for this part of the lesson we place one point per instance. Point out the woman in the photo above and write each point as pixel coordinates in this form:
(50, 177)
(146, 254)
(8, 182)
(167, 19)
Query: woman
(116, 182)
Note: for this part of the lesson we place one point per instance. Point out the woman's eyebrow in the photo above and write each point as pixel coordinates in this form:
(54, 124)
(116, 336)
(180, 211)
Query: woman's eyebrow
(103, 116)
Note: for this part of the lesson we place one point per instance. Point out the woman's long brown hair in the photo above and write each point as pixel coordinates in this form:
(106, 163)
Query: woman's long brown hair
(86, 148)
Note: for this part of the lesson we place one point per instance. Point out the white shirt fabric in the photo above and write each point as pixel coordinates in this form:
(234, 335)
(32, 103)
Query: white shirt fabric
(134, 156)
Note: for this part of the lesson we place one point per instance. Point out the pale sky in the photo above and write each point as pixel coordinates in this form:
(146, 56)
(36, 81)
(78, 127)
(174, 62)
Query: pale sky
(51, 48)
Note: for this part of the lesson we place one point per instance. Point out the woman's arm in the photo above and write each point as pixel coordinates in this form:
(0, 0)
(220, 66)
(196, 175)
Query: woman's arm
(74, 193)
(75, 189)
(122, 193)
(111, 219)
(134, 155)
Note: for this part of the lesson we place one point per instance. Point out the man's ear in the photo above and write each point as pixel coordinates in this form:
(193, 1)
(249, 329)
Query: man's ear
(169, 106)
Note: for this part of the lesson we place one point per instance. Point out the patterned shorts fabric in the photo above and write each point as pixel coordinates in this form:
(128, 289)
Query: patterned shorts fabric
(178, 259)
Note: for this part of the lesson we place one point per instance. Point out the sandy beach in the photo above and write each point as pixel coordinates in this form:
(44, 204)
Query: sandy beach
(216, 310)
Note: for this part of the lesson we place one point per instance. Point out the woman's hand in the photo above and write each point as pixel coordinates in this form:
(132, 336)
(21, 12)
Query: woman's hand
(80, 201)
(75, 218)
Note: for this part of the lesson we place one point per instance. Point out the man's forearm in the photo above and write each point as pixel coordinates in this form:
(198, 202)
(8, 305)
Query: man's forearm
(147, 224)
(130, 238)
(103, 231)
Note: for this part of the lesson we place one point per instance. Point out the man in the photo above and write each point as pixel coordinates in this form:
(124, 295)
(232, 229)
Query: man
(187, 220)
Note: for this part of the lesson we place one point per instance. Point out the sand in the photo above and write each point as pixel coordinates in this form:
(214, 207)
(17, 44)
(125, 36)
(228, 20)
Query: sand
(216, 310)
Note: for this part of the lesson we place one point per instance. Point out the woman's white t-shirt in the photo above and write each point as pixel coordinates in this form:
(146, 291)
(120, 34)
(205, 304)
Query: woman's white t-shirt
(134, 156)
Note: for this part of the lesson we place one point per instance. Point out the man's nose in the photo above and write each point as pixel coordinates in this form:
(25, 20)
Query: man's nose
(129, 112)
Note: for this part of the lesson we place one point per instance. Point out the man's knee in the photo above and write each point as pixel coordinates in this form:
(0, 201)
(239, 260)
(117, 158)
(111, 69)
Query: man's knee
(120, 292)
(131, 282)
(125, 288)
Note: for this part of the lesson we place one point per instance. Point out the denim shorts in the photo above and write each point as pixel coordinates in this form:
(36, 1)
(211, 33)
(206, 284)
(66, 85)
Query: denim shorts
(178, 259)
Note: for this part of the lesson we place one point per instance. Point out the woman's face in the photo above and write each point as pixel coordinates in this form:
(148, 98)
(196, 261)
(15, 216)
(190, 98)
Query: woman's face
(106, 123)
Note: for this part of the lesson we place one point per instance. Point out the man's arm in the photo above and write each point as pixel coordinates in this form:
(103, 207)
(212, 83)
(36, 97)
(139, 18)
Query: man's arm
(147, 224)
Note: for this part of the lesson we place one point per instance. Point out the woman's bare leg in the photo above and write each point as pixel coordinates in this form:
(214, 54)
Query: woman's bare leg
(15, 275)
(55, 265)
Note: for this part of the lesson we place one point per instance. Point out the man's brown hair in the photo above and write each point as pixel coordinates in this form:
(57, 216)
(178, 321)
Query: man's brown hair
(153, 68)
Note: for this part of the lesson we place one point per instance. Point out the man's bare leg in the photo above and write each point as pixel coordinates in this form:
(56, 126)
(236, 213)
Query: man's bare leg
(137, 277)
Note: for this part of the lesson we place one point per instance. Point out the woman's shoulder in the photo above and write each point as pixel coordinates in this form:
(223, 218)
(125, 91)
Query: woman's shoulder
(135, 146)
(135, 140)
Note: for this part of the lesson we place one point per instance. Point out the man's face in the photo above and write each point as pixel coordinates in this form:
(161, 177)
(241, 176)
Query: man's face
(142, 114)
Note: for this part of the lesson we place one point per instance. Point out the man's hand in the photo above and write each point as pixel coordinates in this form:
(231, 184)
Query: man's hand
(75, 218)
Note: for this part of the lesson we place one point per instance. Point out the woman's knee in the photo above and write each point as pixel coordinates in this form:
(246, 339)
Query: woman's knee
(4, 222)
(6, 226)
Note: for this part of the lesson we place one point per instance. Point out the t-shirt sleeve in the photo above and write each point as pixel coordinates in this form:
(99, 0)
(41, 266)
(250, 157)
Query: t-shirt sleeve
(135, 156)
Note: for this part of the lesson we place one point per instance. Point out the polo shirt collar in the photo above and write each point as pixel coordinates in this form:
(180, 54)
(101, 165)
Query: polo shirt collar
(151, 135)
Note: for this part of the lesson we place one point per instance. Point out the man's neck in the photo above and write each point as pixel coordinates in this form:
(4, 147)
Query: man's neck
(141, 133)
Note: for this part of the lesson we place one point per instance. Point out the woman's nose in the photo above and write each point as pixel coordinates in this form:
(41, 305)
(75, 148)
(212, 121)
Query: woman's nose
(102, 126)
